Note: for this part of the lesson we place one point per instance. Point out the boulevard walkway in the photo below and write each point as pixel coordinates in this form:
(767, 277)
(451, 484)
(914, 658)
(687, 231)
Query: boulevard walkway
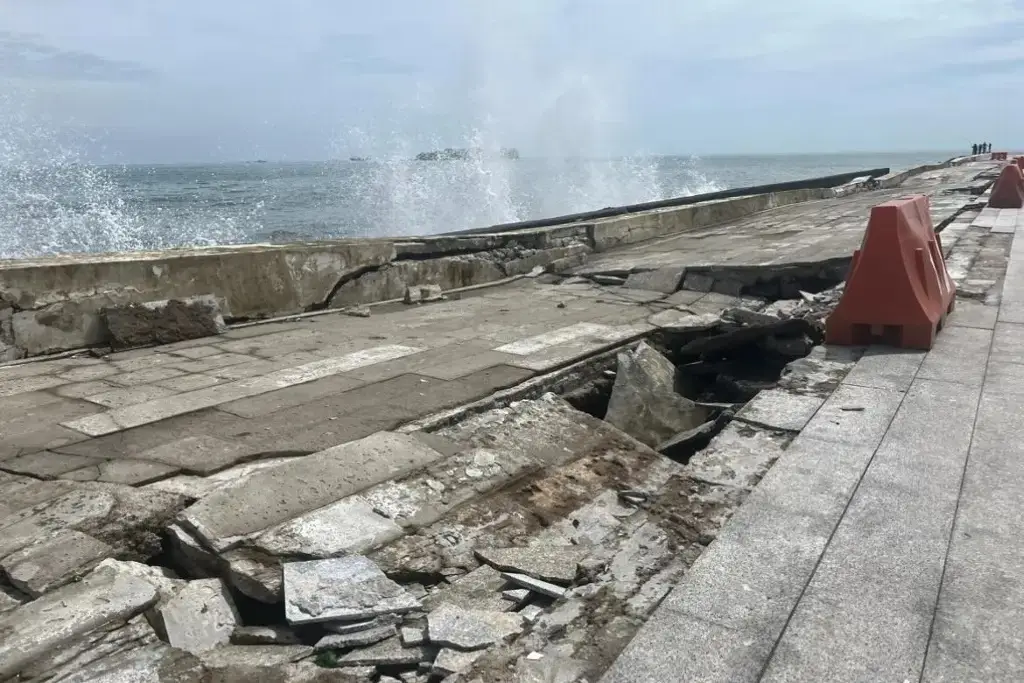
(885, 545)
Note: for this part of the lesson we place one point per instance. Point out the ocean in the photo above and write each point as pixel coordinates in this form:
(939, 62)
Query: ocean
(76, 207)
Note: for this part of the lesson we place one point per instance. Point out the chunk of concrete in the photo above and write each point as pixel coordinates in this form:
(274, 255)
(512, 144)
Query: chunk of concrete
(665, 280)
(163, 322)
(345, 641)
(245, 663)
(55, 561)
(479, 589)
(535, 585)
(413, 635)
(644, 403)
(275, 495)
(341, 588)
(556, 563)
(739, 456)
(155, 662)
(59, 617)
(347, 527)
(200, 617)
(466, 629)
(451, 662)
(387, 653)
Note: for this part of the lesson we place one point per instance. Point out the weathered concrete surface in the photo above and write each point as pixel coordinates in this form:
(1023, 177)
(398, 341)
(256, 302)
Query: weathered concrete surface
(163, 322)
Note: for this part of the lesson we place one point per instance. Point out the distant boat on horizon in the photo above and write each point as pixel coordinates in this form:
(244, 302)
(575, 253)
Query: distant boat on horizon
(359, 158)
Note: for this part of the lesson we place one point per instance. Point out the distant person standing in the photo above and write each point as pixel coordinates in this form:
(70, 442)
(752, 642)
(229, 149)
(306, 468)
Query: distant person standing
(974, 149)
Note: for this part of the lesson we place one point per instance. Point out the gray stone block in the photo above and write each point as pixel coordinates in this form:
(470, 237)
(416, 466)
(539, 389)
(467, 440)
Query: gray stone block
(854, 414)
(342, 588)
(781, 409)
(959, 355)
(666, 280)
(464, 629)
(556, 563)
(738, 456)
(886, 368)
(55, 561)
(200, 617)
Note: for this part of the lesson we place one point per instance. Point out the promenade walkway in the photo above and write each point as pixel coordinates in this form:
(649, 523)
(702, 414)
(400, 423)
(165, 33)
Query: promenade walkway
(881, 545)
(885, 545)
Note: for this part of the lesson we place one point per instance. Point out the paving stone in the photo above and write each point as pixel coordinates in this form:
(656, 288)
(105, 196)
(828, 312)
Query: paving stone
(531, 613)
(516, 595)
(413, 635)
(463, 629)
(199, 454)
(341, 588)
(67, 613)
(129, 396)
(535, 585)
(781, 409)
(553, 563)
(739, 455)
(197, 487)
(387, 653)
(241, 663)
(129, 472)
(960, 354)
(347, 527)
(200, 617)
(83, 389)
(275, 495)
(451, 662)
(479, 589)
(664, 280)
(344, 641)
(147, 376)
(854, 414)
(644, 403)
(188, 382)
(54, 561)
(46, 464)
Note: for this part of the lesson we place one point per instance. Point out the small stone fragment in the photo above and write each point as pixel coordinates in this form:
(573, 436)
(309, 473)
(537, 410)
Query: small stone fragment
(386, 653)
(358, 311)
(516, 595)
(536, 585)
(341, 588)
(531, 613)
(200, 617)
(344, 641)
(555, 563)
(431, 293)
(353, 626)
(413, 635)
(450, 662)
(263, 635)
(412, 295)
(467, 629)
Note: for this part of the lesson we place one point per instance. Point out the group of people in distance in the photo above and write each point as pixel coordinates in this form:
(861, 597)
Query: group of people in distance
(982, 148)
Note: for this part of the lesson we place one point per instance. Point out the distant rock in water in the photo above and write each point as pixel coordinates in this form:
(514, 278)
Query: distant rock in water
(359, 158)
(464, 154)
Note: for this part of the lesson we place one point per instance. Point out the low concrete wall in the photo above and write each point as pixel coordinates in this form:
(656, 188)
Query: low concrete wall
(55, 304)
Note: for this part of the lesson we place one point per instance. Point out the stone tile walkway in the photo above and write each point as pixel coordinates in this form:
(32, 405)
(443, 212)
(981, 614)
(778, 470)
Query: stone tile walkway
(884, 545)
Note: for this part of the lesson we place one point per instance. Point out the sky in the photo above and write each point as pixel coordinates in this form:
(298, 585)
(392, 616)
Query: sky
(188, 81)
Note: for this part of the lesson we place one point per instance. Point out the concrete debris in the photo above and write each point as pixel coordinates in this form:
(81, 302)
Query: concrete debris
(516, 595)
(553, 563)
(156, 662)
(665, 280)
(450, 662)
(341, 588)
(535, 585)
(200, 617)
(389, 652)
(263, 635)
(466, 629)
(413, 635)
(55, 561)
(479, 589)
(531, 613)
(423, 294)
(358, 311)
(344, 641)
(353, 626)
(644, 403)
(243, 663)
(163, 322)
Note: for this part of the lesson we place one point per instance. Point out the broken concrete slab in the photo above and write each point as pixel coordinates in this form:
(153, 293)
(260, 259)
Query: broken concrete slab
(362, 638)
(555, 563)
(451, 662)
(200, 617)
(516, 595)
(342, 588)
(679, 321)
(244, 663)
(535, 585)
(479, 589)
(202, 454)
(55, 561)
(781, 409)
(413, 635)
(467, 629)
(108, 641)
(665, 280)
(350, 526)
(739, 456)
(59, 617)
(253, 573)
(388, 653)
(163, 322)
(275, 495)
(156, 662)
(644, 403)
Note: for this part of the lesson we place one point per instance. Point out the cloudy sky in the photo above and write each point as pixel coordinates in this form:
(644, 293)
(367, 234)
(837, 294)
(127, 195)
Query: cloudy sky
(311, 79)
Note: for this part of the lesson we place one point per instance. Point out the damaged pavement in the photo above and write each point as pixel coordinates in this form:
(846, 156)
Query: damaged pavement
(519, 531)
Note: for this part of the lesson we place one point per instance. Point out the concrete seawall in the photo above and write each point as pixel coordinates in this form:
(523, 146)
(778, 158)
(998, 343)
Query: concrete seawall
(55, 304)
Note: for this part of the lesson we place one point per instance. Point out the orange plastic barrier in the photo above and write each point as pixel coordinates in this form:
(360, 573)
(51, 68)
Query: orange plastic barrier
(999, 156)
(1020, 162)
(898, 291)
(1008, 190)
